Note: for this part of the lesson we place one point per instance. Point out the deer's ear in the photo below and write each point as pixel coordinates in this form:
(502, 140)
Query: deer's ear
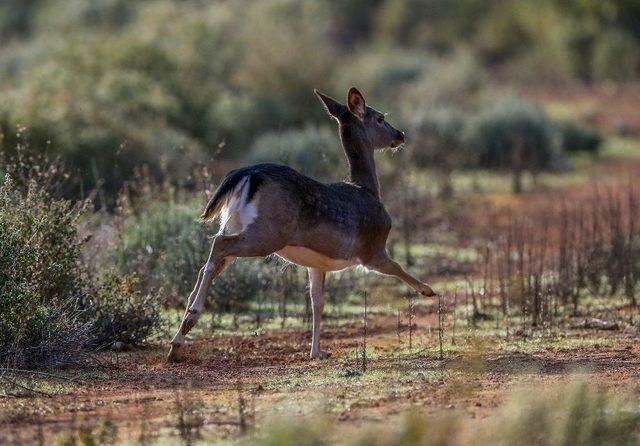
(333, 107)
(356, 104)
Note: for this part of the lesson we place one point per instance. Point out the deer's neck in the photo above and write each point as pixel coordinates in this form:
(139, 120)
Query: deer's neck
(362, 166)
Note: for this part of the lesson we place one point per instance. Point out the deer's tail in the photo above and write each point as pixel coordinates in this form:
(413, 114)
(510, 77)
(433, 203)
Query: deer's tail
(226, 190)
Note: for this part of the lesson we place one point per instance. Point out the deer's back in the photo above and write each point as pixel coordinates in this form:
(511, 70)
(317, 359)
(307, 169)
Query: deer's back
(340, 219)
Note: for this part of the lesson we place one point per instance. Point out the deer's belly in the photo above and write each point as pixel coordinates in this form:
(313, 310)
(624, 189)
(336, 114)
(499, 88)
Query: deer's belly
(313, 259)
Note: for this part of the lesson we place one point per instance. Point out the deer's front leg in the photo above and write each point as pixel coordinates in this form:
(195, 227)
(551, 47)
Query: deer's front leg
(316, 290)
(389, 267)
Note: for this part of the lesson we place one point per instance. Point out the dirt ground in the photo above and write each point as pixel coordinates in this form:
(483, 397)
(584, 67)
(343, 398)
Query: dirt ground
(231, 383)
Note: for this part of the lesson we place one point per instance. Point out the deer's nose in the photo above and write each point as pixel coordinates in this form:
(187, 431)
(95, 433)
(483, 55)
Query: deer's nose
(400, 136)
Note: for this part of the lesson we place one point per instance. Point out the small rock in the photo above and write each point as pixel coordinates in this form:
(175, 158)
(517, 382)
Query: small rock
(598, 324)
(117, 346)
(350, 373)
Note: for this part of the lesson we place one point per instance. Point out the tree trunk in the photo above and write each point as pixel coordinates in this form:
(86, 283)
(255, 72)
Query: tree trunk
(517, 181)
(446, 185)
(517, 164)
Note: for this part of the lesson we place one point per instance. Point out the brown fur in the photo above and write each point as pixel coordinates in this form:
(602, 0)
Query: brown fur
(325, 227)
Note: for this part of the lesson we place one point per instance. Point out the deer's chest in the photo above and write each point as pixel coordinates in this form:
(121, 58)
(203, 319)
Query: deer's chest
(313, 259)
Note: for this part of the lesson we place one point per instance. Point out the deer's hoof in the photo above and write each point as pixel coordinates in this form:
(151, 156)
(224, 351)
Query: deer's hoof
(320, 354)
(175, 354)
(428, 292)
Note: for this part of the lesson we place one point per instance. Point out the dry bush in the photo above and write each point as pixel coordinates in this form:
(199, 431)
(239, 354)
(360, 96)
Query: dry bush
(553, 257)
(122, 313)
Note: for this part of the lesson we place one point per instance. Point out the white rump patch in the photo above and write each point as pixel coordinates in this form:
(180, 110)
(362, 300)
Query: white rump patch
(238, 213)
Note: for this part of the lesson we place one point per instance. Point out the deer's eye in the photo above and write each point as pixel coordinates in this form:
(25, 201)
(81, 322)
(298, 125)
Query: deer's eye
(380, 119)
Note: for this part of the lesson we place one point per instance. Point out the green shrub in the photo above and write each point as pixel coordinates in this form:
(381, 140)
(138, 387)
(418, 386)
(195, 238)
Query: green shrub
(41, 281)
(514, 135)
(292, 61)
(314, 151)
(16, 17)
(95, 14)
(574, 415)
(616, 56)
(51, 310)
(438, 24)
(438, 136)
(576, 137)
(121, 312)
(241, 283)
(240, 117)
(165, 246)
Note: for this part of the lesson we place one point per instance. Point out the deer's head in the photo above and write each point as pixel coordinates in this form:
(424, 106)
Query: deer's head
(361, 122)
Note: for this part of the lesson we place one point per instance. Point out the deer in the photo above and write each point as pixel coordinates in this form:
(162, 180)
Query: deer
(267, 209)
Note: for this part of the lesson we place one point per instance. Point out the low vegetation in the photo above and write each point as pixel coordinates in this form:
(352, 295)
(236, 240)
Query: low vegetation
(41, 284)
(52, 307)
(574, 415)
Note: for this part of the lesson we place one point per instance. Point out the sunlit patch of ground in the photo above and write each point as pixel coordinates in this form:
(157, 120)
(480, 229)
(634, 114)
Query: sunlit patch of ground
(232, 381)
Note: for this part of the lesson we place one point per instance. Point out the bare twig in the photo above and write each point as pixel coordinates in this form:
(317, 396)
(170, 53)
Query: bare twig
(440, 327)
(410, 322)
(22, 386)
(37, 372)
(364, 341)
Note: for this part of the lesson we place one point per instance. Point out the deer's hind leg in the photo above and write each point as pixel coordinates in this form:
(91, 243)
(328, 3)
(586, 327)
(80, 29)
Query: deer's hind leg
(255, 241)
(216, 263)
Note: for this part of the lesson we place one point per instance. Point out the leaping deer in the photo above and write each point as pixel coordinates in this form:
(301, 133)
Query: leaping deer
(270, 208)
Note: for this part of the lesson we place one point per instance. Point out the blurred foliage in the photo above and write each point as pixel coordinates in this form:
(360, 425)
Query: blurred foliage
(314, 151)
(616, 56)
(579, 138)
(164, 245)
(244, 281)
(509, 125)
(529, 38)
(110, 85)
(572, 414)
(510, 134)
(439, 135)
(514, 135)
